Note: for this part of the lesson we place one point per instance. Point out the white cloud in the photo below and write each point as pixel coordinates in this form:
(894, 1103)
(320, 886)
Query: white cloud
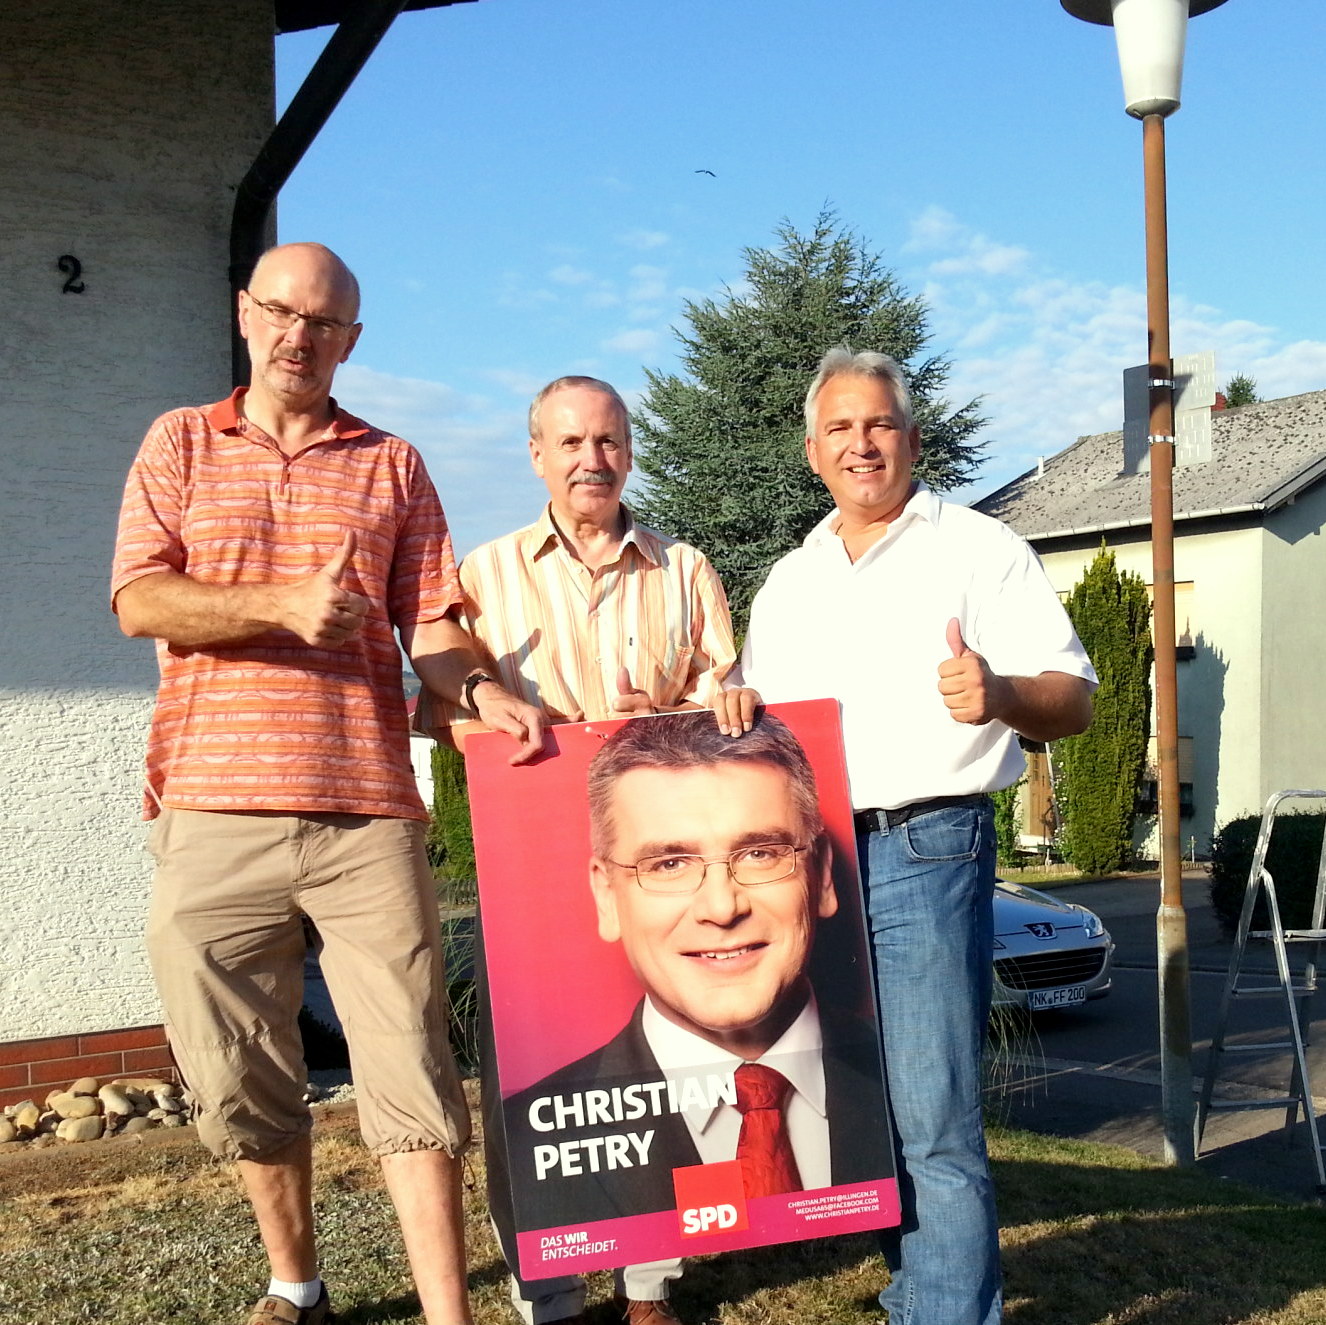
(984, 257)
(637, 340)
(1290, 370)
(566, 274)
(935, 227)
(518, 383)
(644, 239)
(514, 293)
(475, 448)
(965, 250)
(1046, 350)
(647, 283)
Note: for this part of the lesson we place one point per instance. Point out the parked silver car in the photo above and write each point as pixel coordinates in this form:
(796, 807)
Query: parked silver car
(1048, 953)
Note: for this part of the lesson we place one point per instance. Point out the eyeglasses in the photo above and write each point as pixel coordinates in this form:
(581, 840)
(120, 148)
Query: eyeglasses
(278, 315)
(680, 874)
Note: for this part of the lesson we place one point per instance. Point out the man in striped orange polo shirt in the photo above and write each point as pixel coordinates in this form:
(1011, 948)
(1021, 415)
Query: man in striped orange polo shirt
(273, 544)
(588, 615)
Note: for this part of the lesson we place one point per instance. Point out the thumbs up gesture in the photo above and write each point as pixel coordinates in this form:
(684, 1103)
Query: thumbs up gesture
(630, 699)
(318, 609)
(971, 691)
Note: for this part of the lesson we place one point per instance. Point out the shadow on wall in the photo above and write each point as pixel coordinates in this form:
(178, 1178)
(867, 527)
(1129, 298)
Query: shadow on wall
(1201, 713)
(1201, 679)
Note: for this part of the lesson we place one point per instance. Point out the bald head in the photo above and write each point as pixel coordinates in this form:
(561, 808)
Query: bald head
(313, 270)
(300, 317)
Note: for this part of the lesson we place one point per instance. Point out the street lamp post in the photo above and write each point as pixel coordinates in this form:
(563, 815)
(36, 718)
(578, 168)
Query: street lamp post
(1150, 36)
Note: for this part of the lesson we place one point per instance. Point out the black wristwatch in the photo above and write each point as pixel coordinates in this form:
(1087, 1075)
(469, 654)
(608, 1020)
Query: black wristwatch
(472, 682)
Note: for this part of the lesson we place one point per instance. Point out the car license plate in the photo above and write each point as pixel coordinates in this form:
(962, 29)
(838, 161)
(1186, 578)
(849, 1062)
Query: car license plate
(1068, 997)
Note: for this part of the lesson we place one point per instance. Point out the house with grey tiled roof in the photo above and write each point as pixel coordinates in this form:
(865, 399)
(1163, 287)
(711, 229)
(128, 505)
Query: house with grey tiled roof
(1250, 589)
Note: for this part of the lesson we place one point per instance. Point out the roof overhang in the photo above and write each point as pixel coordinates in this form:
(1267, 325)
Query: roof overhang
(300, 15)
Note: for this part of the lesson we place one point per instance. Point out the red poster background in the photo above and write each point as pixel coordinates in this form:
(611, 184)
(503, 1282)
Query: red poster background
(558, 991)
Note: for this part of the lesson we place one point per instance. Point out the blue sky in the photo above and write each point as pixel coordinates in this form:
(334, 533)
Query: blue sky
(515, 182)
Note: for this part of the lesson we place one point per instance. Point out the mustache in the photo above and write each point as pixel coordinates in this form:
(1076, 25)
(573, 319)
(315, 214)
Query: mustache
(595, 477)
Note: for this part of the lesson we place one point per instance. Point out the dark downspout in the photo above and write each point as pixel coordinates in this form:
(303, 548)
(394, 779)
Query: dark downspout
(345, 54)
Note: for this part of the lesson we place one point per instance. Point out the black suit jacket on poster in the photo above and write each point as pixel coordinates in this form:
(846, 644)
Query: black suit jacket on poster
(860, 1144)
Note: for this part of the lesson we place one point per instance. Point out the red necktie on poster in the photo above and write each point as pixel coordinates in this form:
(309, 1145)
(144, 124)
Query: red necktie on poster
(764, 1148)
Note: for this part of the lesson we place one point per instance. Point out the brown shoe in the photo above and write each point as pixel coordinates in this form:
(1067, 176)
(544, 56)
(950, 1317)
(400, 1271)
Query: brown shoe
(273, 1310)
(646, 1313)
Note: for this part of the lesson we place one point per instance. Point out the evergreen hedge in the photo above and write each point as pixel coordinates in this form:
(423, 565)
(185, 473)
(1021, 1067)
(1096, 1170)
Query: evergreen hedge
(1008, 849)
(1292, 862)
(450, 839)
(450, 844)
(1099, 771)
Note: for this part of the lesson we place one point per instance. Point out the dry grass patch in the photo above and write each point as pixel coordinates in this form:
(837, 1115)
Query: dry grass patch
(124, 1235)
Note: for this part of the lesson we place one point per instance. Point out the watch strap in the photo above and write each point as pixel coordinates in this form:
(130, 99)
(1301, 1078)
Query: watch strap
(471, 683)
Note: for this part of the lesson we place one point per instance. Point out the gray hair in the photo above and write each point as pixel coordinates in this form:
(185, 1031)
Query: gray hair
(841, 362)
(588, 384)
(692, 740)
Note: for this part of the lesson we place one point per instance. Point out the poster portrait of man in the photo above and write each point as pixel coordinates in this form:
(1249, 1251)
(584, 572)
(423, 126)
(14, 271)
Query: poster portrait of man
(706, 1057)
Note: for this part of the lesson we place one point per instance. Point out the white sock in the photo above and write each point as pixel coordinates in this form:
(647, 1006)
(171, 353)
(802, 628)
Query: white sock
(298, 1295)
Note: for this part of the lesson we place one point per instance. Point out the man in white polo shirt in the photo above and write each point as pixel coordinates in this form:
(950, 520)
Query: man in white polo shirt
(937, 630)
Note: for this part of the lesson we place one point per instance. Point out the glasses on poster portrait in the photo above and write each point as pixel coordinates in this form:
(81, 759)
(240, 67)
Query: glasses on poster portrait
(278, 315)
(679, 874)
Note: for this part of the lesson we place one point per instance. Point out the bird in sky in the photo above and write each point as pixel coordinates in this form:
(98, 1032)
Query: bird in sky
(703, 171)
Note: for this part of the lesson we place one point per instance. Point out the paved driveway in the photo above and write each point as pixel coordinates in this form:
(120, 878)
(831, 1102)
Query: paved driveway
(1094, 1073)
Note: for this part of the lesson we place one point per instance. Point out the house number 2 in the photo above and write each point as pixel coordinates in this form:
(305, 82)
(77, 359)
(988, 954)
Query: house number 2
(73, 270)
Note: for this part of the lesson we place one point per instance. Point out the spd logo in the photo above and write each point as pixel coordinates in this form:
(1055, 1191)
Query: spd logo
(710, 1198)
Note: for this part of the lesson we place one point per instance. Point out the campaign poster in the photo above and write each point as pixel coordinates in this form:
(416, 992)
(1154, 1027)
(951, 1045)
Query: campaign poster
(677, 960)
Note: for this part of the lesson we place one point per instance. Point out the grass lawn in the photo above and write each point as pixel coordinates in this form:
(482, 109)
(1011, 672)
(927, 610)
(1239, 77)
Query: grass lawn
(129, 1234)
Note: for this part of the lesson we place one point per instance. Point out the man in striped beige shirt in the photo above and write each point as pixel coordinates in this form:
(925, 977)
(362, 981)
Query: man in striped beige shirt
(588, 615)
(273, 545)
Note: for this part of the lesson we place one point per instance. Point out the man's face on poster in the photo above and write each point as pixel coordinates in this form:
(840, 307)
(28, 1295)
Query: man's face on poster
(726, 961)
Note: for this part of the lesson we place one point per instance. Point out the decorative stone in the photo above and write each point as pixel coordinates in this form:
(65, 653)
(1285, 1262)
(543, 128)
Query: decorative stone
(174, 1120)
(49, 1121)
(84, 1086)
(137, 1124)
(8, 1132)
(56, 1096)
(170, 1103)
(145, 1084)
(26, 1116)
(75, 1106)
(81, 1129)
(115, 1103)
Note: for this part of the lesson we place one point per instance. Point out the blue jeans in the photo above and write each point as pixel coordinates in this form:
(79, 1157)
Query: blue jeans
(929, 883)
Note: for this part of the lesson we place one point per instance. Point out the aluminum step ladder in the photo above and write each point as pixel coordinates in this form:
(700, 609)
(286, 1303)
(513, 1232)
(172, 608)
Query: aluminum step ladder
(1297, 997)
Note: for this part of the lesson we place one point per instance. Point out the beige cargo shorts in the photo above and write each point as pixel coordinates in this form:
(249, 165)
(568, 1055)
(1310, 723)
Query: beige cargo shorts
(226, 942)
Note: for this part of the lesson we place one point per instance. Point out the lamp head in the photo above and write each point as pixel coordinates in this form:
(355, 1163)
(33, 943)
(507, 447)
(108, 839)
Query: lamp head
(1150, 35)
(1102, 11)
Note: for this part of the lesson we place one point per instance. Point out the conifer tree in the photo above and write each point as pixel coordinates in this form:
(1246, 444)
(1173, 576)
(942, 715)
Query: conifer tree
(1099, 771)
(721, 447)
(1241, 390)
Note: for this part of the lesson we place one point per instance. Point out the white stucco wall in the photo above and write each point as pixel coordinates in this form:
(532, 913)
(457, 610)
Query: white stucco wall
(1221, 688)
(127, 129)
(1293, 641)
